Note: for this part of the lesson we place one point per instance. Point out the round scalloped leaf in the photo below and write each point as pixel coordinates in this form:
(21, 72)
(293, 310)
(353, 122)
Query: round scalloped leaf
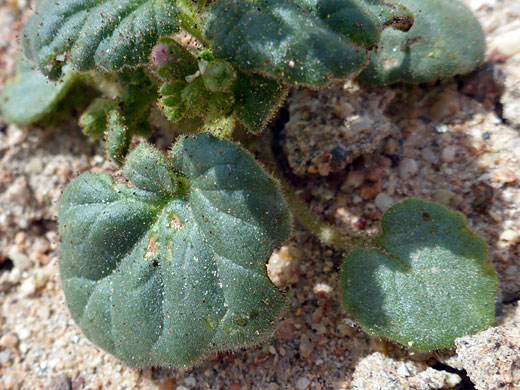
(31, 95)
(445, 40)
(431, 283)
(102, 34)
(172, 266)
(298, 41)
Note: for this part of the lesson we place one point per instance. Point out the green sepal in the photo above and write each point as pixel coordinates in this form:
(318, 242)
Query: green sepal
(219, 76)
(196, 98)
(445, 40)
(430, 282)
(96, 34)
(117, 137)
(171, 103)
(172, 60)
(162, 275)
(220, 126)
(94, 118)
(31, 96)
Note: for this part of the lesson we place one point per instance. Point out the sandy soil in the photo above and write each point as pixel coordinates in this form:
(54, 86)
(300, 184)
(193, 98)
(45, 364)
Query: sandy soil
(456, 142)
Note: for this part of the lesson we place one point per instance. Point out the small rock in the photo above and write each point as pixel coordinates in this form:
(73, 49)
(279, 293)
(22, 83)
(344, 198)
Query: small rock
(35, 165)
(282, 266)
(302, 383)
(403, 371)
(447, 198)
(504, 176)
(507, 43)
(408, 168)
(61, 382)
(343, 109)
(5, 356)
(19, 191)
(448, 153)
(354, 180)
(27, 288)
(9, 340)
(383, 201)
(306, 345)
(21, 261)
(510, 235)
(371, 191)
(15, 135)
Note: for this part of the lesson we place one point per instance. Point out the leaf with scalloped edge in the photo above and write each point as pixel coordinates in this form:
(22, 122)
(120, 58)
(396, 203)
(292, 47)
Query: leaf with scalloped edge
(31, 96)
(172, 267)
(445, 40)
(299, 41)
(96, 34)
(430, 283)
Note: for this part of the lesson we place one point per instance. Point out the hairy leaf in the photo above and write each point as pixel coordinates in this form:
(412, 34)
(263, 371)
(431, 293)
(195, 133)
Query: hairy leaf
(445, 40)
(299, 41)
(31, 95)
(101, 34)
(257, 100)
(432, 283)
(172, 268)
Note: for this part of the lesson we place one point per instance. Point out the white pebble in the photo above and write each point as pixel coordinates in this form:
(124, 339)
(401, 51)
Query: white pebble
(403, 371)
(5, 355)
(27, 288)
(24, 333)
(302, 383)
(361, 124)
(408, 168)
(508, 43)
(35, 165)
(510, 235)
(8, 340)
(448, 153)
(383, 201)
(20, 260)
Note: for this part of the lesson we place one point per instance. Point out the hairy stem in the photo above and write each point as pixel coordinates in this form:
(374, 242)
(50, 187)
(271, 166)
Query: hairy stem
(328, 234)
(190, 19)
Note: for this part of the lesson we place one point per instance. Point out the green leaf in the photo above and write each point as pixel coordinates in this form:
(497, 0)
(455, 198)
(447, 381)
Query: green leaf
(431, 283)
(257, 100)
(445, 40)
(94, 118)
(298, 41)
(31, 95)
(101, 34)
(172, 267)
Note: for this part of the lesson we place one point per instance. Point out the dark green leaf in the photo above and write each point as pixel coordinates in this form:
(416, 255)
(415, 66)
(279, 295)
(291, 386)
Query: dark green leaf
(431, 283)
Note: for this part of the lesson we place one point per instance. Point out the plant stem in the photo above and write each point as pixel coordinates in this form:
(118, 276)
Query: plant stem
(190, 20)
(328, 234)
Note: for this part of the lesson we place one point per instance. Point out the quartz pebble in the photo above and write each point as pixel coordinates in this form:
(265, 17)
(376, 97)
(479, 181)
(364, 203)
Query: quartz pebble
(9, 340)
(448, 153)
(408, 168)
(383, 201)
(302, 383)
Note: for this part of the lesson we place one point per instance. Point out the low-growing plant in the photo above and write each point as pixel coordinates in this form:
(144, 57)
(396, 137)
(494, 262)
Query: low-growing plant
(170, 265)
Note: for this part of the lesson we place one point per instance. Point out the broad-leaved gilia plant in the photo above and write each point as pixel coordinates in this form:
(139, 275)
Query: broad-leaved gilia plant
(170, 265)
